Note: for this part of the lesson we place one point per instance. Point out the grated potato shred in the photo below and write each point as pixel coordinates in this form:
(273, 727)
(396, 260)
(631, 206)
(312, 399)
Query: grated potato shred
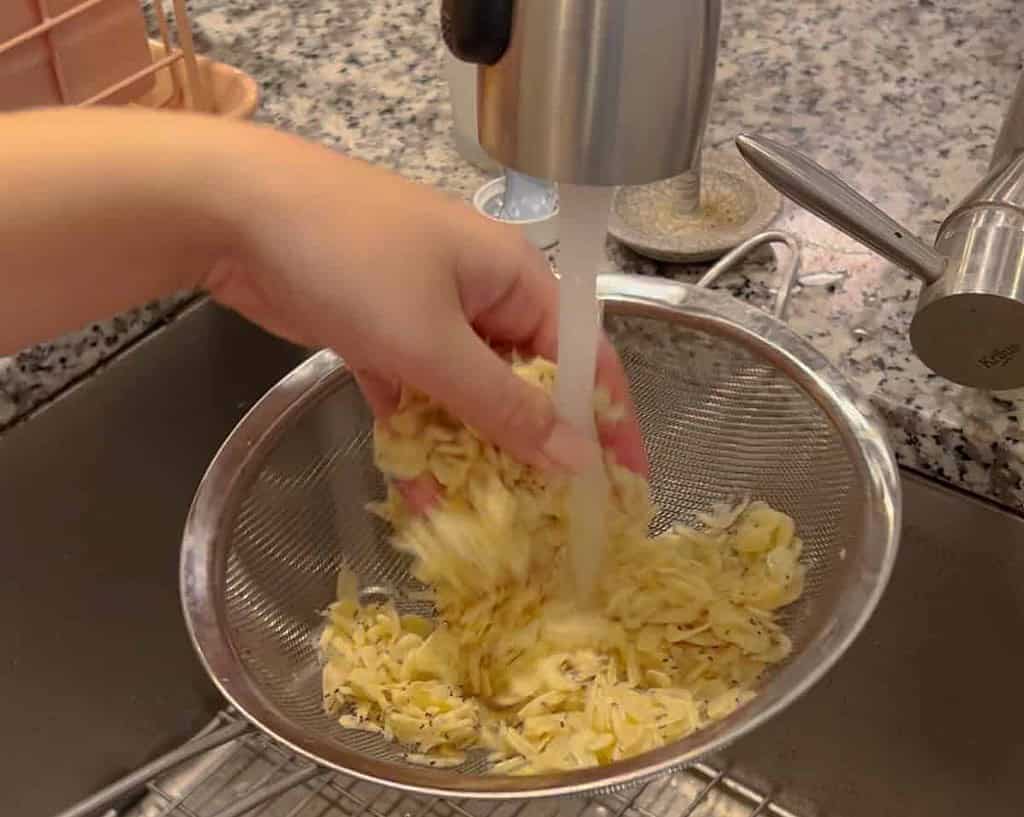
(684, 625)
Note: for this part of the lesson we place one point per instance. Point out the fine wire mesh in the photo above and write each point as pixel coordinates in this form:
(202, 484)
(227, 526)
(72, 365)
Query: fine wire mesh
(720, 423)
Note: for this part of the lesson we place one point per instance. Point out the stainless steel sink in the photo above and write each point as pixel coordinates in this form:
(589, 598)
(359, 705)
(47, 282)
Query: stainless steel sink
(922, 717)
(925, 714)
(96, 671)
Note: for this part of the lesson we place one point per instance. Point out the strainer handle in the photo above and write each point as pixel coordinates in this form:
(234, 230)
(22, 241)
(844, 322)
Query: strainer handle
(728, 261)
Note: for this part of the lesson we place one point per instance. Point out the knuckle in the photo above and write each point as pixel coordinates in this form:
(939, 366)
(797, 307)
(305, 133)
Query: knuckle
(525, 416)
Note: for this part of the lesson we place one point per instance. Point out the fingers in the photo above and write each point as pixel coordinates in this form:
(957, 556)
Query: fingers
(514, 414)
(511, 299)
(506, 297)
(622, 437)
(505, 285)
(479, 387)
(420, 493)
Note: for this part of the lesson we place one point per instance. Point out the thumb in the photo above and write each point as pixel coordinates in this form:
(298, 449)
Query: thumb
(482, 389)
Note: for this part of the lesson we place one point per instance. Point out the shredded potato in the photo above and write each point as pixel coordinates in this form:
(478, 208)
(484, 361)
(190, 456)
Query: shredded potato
(683, 627)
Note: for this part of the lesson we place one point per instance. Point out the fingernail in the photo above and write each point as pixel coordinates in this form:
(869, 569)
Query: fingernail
(566, 448)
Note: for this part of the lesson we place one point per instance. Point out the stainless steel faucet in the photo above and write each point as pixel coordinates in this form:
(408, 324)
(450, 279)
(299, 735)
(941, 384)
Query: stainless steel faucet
(601, 92)
(969, 324)
(1011, 135)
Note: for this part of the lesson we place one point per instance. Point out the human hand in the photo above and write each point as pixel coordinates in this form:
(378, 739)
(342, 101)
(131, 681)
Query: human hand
(404, 282)
(410, 287)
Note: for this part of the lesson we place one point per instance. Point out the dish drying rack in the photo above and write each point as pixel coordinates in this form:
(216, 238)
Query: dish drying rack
(244, 772)
(173, 78)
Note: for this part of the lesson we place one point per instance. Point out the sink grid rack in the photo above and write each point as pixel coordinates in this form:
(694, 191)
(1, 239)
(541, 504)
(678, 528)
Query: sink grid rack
(252, 775)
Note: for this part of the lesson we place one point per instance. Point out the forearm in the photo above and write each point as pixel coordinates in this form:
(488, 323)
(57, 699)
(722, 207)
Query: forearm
(102, 211)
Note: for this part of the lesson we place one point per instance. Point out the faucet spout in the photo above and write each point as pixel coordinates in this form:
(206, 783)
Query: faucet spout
(828, 197)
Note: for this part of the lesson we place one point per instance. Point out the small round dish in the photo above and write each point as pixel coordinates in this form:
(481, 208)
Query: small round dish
(541, 232)
(736, 204)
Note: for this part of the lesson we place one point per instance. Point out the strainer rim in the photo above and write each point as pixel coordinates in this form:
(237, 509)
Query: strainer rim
(314, 379)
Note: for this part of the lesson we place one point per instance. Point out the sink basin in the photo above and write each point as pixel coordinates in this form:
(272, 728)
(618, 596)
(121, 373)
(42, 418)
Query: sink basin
(97, 676)
(924, 715)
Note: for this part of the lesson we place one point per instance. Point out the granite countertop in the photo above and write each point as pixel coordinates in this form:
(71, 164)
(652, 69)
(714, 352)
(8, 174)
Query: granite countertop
(903, 99)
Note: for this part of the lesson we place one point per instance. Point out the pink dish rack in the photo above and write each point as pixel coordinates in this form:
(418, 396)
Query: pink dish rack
(103, 52)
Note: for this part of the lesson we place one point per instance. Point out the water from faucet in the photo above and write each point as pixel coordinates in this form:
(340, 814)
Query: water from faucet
(526, 197)
(583, 221)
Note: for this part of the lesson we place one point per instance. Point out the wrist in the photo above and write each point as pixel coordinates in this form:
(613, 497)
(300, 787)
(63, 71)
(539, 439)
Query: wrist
(259, 187)
(227, 194)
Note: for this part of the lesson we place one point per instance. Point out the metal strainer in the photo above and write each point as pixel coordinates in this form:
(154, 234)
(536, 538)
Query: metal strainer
(732, 404)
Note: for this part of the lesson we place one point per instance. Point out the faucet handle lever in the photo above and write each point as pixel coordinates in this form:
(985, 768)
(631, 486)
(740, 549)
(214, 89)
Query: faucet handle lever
(828, 197)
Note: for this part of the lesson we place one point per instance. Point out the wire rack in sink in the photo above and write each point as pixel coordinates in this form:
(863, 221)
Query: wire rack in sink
(255, 776)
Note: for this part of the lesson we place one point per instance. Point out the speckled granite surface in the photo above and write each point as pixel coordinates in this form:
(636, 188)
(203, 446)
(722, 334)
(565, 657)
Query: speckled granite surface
(33, 376)
(902, 98)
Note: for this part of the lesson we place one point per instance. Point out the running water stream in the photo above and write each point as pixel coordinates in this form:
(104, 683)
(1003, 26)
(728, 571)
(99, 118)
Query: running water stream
(583, 216)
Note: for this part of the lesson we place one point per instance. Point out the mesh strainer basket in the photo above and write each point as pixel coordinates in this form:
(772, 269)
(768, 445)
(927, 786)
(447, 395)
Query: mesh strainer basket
(732, 404)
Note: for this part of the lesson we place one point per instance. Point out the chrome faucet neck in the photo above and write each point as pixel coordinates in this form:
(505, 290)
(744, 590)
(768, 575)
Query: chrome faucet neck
(1011, 136)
